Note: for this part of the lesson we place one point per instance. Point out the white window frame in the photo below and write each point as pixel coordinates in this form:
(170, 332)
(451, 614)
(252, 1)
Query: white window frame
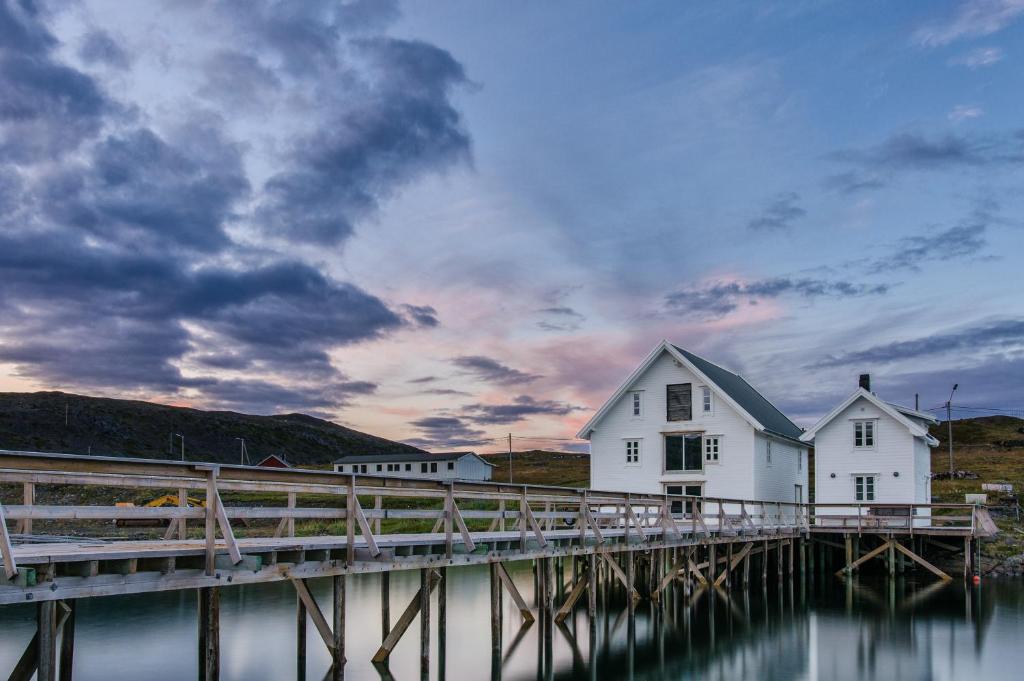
(707, 401)
(864, 425)
(637, 454)
(860, 487)
(768, 452)
(636, 404)
(715, 449)
(799, 461)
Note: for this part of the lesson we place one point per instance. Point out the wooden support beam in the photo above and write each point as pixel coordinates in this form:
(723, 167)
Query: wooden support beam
(426, 577)
(620, 575)
(408, 615)
(731, 565)
(364, 527)
(317, 615)
(300, 639)
(211, 521)
(517, 597)
(337, 670)
(672, 573)
(847, 569)
(631, 518)
(921, 561)
(6, 550)
(495, 611)
(226, 531)
(67, 641)
(29, 496)
(588, 518)
(694, 570)
(467, 539)
(209, 633)
(570, 601)
(527, 515)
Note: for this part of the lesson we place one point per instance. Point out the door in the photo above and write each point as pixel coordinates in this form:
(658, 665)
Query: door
(798, 494)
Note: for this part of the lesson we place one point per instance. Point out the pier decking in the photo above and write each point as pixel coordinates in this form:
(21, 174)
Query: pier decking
(649, 544)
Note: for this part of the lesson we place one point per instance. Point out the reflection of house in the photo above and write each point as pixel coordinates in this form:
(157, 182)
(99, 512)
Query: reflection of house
(682, 425)
(868, 450)
(274, 461)
(448, 466)
(852, 648)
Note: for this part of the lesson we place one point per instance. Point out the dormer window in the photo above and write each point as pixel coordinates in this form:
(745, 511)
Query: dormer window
(636, 403)
(864, 434)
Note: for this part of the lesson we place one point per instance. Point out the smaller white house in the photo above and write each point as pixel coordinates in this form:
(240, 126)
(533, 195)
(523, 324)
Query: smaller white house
(869, 451)
(443, 466)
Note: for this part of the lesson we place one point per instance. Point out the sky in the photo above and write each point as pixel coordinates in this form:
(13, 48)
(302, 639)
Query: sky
(444, 222)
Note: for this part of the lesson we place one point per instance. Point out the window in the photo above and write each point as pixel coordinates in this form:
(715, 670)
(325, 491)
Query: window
(679, 402)
(636, 404)
(451, 465)
(863, 433)
(678, 505)
(341, 468)
(380, 468)
(864, 487)
(408, 466)
(682, 453)
(800, 461)
(423, 468)
(433, 468)
(706, 399)
(711, 449)
(768, 452)
(632, 452)
(363, 468)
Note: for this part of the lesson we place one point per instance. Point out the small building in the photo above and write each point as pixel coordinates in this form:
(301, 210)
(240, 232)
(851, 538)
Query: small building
(867, 450)
(273, 461)
(680, 424)
(442, 466)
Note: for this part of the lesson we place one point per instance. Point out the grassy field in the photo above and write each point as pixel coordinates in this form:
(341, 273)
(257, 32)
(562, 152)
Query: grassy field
(538, 467)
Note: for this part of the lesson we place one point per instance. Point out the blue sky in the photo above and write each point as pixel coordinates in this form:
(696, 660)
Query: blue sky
(442, 222)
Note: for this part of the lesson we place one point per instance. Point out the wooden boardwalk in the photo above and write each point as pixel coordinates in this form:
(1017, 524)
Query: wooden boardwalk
(647, 544)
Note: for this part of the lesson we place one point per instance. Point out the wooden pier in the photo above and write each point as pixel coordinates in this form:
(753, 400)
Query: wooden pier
(649, 546)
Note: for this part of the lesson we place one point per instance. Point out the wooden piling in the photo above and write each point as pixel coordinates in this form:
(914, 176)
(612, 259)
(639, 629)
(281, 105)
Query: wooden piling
(425, 625)
(385, 604)
(46, 658)
(67, 642)
(209, 633)
(338, 651)
(442, 622)
(300, 639)
(495, 614)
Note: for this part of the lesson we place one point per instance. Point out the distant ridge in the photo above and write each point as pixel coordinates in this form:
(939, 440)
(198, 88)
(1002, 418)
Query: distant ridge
(112, 427)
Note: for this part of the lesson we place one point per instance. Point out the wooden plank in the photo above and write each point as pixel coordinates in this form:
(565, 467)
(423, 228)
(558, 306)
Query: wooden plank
(317, 615)
(364, 527)
(337, 670)
(6, 550)
(524, 510)
(404, 621)
(863, 559)
(617, 571)
(467, 539)
(226, 531)
(695, 571)
(29, 496)
(517, 597)
(570, 601)
(921, 561)
(731, 565)
(211, 521)
(672, 573)
(588, 516)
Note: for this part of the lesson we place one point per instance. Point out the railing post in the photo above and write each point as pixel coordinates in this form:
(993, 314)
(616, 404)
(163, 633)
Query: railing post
(211, 520)
(350, 521)
(449, 502)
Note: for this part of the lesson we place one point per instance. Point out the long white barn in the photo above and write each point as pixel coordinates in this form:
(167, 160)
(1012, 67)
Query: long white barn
(680, 424)
(441, 466)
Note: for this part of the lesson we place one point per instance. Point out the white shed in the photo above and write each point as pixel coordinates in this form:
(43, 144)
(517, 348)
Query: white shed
(442, 466)
(869, 451)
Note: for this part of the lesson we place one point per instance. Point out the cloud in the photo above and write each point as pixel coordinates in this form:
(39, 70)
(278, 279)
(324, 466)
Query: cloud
(238, 79)
(98, 47)
(978, 58)
(963, 112)
(421, 315)
(965, 239)
(780, 214)
(916, 151)
(998, 335)
(493, 371)
(719, 299)
(424, 379)
(974, 19)
(560, 318)
(852, 182)
(520, 408)
(446, 432)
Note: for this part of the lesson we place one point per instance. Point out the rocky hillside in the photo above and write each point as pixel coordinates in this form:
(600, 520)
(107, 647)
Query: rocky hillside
(61, 422)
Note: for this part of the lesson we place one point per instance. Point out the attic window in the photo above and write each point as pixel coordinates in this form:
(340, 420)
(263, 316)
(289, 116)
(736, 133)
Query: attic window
(706, 399)
(864, 433)
(636, 404)
(679, 402)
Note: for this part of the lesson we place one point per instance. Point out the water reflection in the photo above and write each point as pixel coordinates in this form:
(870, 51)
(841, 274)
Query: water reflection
(823, 629)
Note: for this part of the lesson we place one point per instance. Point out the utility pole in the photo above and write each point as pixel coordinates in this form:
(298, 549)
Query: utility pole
(182, 445)
(510, 457)
(949, 424)
(243, 458)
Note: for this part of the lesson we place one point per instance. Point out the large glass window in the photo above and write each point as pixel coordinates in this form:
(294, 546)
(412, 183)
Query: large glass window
(863, 433)
(683, 453)
(679, 402)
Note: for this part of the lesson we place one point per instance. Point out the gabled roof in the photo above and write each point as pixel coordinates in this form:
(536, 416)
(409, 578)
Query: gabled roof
(913, 413)
(407, 457)
(896, 412)
(730, 387)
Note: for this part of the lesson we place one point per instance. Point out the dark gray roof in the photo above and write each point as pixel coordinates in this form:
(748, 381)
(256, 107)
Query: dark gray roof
(411, 457)
(743, 394)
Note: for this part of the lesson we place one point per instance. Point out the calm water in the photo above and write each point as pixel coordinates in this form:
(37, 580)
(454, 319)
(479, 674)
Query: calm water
(821, 631)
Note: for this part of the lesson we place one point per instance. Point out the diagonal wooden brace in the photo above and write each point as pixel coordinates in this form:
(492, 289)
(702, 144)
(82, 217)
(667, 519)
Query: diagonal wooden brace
(846, 569)
(517, 597)
(574, 595)
(735, 561)
(411, 610)
(460, 523)
(313, 608)
(364, 527)
(6, 550)
(527, 514)
(921, 561)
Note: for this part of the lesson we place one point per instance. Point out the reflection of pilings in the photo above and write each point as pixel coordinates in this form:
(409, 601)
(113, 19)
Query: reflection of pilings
(425, 625)
(300, 639)
(442, 622)
(495, 622)
(209, 635)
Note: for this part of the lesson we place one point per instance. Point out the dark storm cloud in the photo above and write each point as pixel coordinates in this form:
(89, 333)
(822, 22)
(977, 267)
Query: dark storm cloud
(717, 300)
(493, 371)
(446, 431)
(99, 47)
(366, 151)
(119, 263)
(996, 336)
(917, 151)
(520, 408)
(781, 213)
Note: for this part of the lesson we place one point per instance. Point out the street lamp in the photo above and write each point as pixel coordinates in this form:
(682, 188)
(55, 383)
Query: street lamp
(182, 445)
(949, 425)
(242, 459)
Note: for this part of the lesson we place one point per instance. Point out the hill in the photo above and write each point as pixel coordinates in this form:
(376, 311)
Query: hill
(982, 430)
(102, 426)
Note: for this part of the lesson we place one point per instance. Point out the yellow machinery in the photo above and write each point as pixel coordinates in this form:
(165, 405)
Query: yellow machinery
(159, 502)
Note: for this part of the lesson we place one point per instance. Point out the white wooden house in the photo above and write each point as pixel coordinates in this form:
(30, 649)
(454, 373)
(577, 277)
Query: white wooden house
(442, 466)
(680, 424)
(867, 450)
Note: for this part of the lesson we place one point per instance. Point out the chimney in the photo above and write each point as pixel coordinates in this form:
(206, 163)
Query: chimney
(865, 381)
